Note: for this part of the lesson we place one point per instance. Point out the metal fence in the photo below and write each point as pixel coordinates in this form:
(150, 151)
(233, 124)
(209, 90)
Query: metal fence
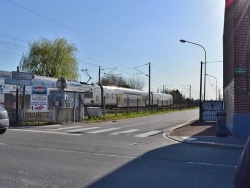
(57, 115)
(210, 109)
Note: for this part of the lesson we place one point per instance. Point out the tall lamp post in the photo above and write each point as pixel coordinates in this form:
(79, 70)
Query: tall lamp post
(184, 41)
(216, 85)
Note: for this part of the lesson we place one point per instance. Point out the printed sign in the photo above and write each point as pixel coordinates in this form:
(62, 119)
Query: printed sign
(39, 98)
(39, 90)
(1, 89)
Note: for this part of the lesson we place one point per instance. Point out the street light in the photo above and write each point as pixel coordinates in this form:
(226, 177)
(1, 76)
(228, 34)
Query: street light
(216, 85)
(183, 41)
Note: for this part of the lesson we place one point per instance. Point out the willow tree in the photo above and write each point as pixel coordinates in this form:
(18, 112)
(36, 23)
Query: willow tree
(51, 58)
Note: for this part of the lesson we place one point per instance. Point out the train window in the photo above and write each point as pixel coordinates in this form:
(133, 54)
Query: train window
(37, 82)
(108, 96)
(48, 83)
(89, 95)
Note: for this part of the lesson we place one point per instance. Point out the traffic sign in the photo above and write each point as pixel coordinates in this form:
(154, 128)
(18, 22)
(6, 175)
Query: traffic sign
(61, 84)
(240, 70)
(22, 75)
(15, 82)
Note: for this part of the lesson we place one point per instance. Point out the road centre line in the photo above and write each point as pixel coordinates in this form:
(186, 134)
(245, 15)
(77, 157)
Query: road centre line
(3, 144)
(37, 131)
(211, 164)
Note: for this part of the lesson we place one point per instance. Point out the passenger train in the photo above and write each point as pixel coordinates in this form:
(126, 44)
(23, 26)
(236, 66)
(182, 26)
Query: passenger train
(113, 96)
(123, 97)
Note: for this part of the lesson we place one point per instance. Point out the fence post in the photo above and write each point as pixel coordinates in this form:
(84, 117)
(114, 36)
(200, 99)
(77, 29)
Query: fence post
(157, 105)
(116, 106)
(127, 104)
(104, 104)
(137, 103)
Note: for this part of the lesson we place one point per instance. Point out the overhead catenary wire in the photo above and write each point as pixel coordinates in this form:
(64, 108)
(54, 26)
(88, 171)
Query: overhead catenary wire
(71, 29)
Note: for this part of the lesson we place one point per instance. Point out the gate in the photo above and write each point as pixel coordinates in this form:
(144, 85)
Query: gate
(210, 109)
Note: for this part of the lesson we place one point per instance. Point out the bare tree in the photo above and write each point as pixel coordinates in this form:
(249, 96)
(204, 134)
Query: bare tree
(119, 81)
(113, 80)
(136, 83)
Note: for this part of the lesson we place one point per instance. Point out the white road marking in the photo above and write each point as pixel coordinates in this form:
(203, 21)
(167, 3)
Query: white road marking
(133, 125)
(125, 132)
(89, 153)
(103, 130)
(82, 129)
(150, 133)
(211, 164)
(65, 128)
(46, 126)
(3, 144)
(37, 131)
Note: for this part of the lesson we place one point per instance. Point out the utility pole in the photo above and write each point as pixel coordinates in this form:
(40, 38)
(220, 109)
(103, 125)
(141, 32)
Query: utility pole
(102, 93)
(190, 91)
(200, 110)
(163, 89)
(99, 82)
(149, 91)
(17, 99)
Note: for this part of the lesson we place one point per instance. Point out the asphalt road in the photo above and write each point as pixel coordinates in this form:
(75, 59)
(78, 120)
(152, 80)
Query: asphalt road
(126, 153)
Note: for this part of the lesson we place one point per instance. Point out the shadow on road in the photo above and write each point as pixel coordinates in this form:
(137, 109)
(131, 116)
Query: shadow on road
(175, 165)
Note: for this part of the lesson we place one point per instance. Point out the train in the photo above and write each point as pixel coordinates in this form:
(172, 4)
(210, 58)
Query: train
(113, 96)
(123, 97)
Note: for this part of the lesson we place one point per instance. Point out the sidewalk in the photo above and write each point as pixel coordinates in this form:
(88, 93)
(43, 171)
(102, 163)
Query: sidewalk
(204, 134)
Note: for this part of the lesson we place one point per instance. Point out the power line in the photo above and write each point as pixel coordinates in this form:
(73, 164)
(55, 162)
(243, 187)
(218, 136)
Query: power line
(10, 53)
(13, 38)
(73, 30)
(167, 75)
(11, 44)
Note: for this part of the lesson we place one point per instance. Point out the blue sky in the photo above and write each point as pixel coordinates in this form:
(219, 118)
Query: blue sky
(123, 34)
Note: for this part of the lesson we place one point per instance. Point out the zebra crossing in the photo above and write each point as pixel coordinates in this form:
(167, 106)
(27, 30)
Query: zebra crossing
(80, 130)
(113, 131)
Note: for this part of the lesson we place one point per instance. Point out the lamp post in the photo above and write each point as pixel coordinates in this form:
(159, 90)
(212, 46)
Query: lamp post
(215, 86)
(200, 113)
(184, 41)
